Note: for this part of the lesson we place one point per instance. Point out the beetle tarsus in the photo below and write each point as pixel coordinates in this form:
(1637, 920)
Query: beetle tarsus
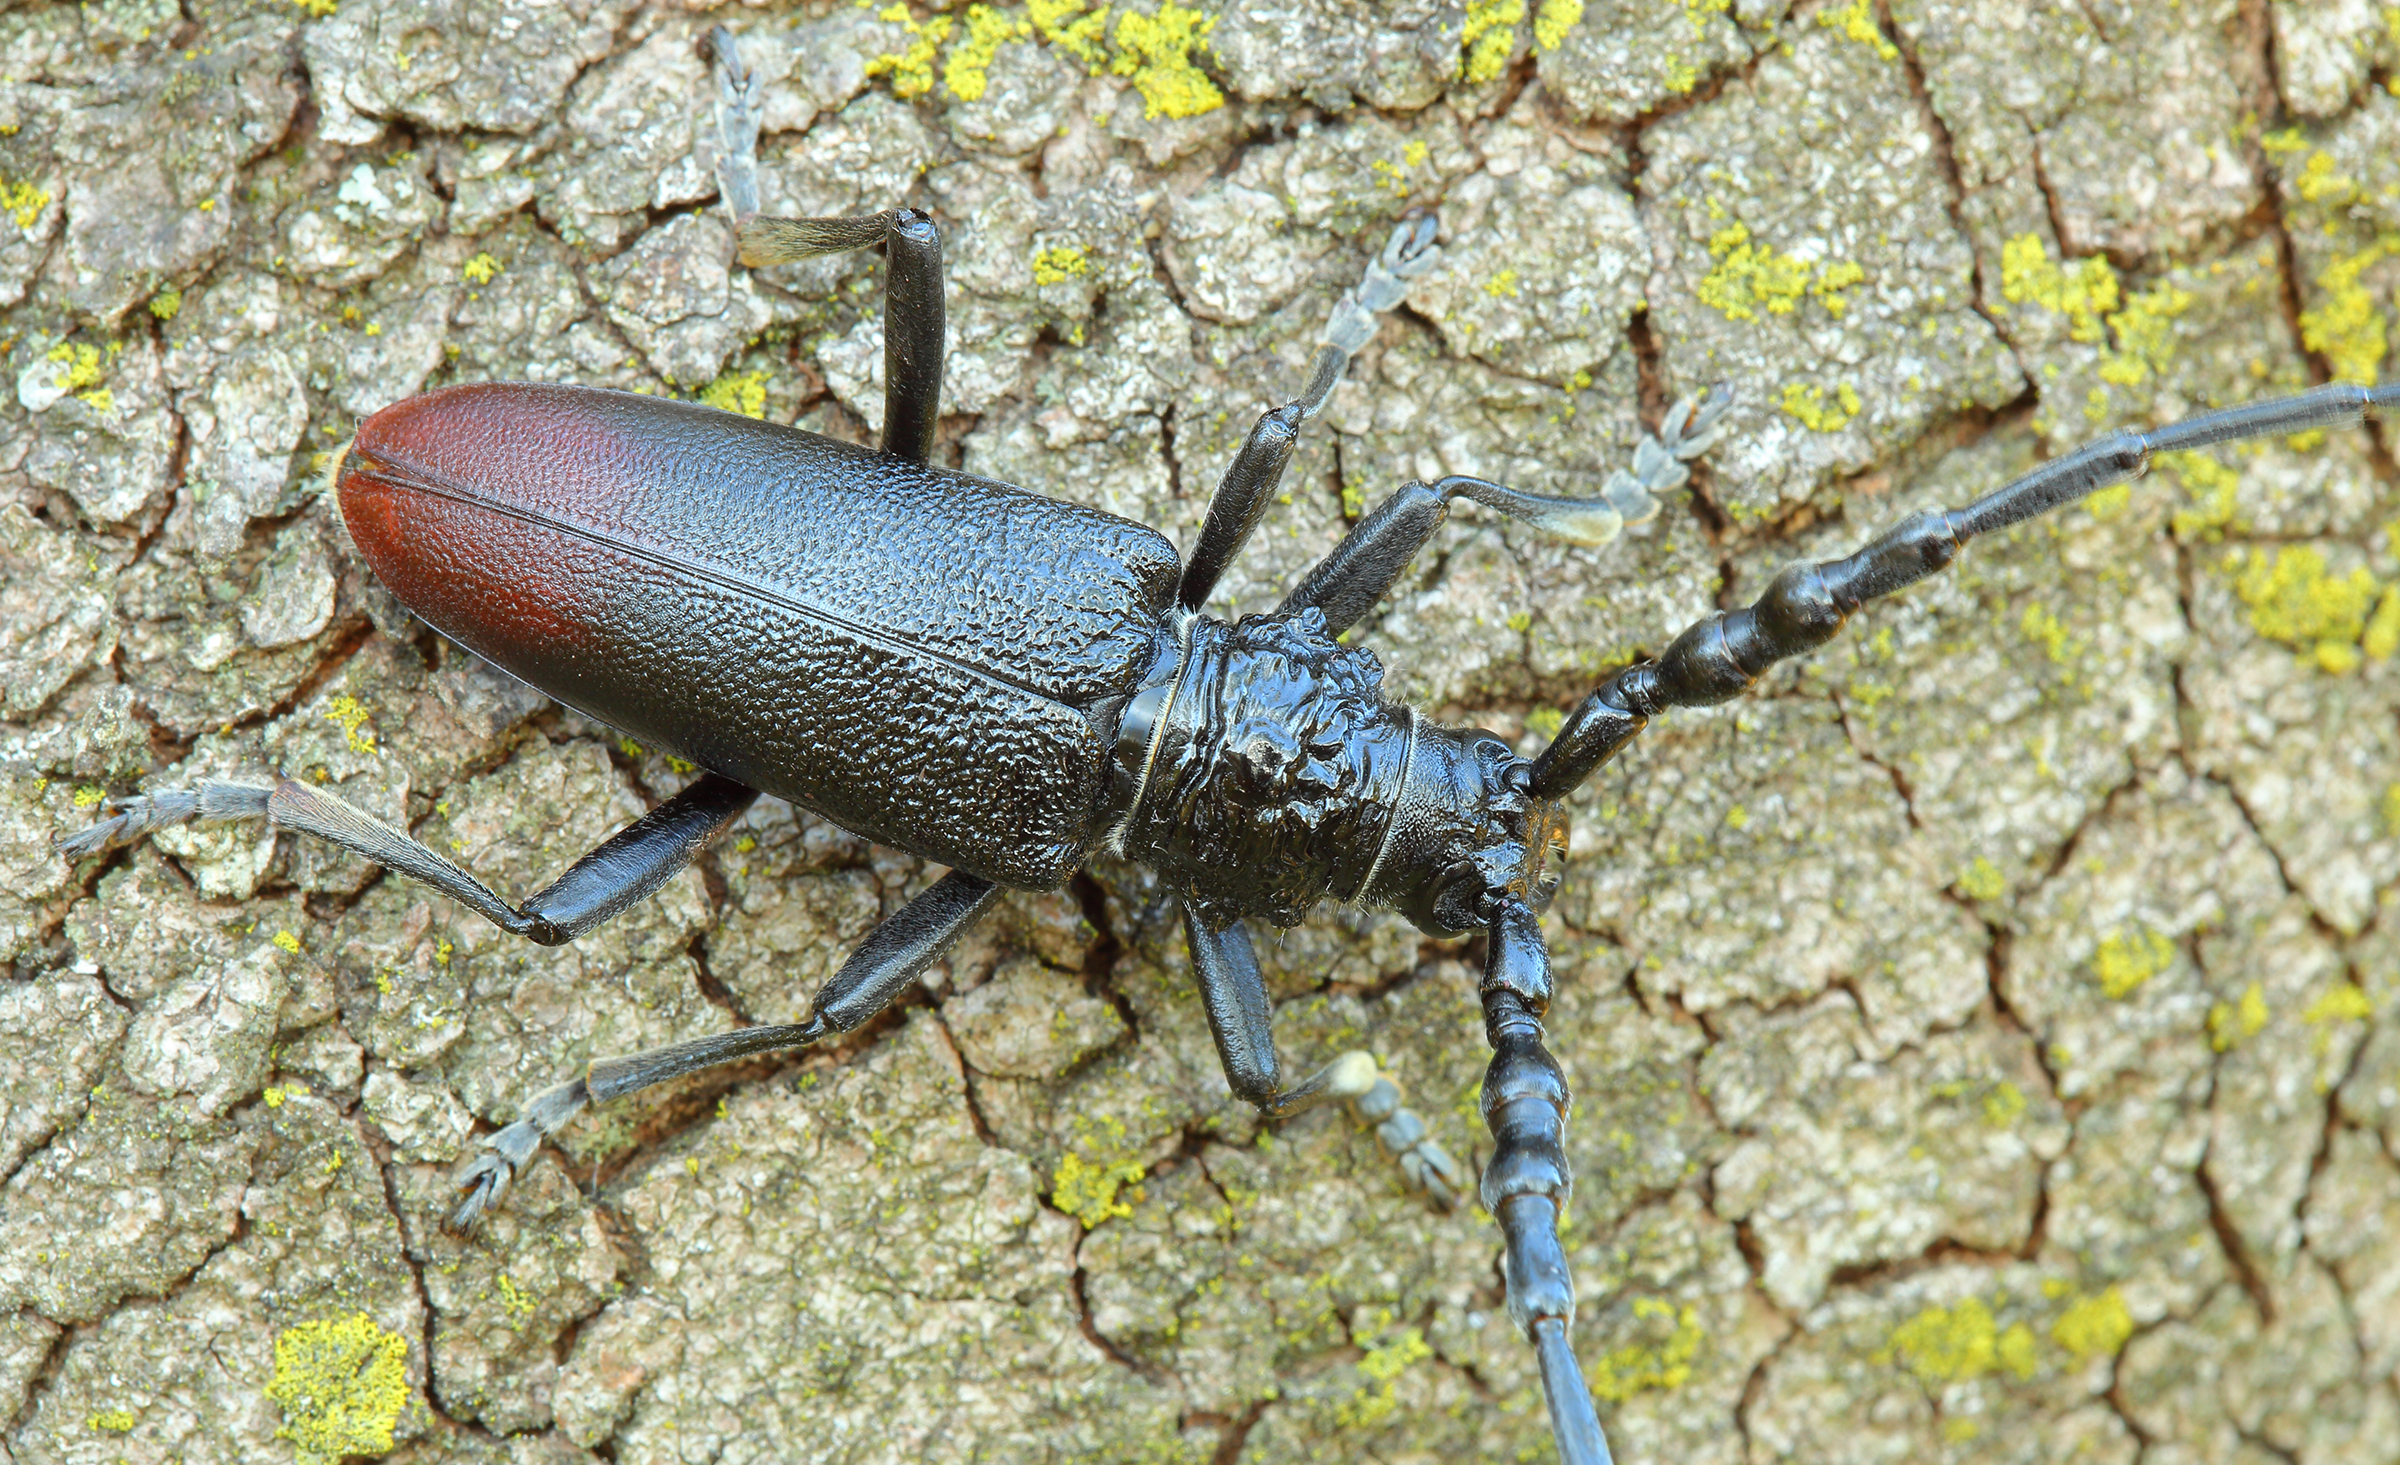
(131, 818)
(1425, 1167)
(740, 93)
(487, 1174)
(1406, 254)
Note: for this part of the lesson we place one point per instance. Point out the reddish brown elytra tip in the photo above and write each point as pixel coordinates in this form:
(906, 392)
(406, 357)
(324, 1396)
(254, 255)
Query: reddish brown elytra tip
(435, 491)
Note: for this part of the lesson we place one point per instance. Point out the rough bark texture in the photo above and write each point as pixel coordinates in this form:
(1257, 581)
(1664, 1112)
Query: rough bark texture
(1986, 1038)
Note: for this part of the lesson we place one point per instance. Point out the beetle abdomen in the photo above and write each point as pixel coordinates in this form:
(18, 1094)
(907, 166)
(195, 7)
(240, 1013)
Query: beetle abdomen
(930, 659)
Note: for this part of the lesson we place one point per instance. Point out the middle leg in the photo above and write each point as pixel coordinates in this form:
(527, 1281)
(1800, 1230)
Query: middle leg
(894, 955)
(1364, 566)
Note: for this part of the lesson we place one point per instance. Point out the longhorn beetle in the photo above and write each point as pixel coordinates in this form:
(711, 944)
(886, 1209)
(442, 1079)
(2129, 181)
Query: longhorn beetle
(1006, 684)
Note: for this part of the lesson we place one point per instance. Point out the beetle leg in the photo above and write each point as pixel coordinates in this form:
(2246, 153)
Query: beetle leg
(130, 819)
(1526, 1186)
(1249, 485)
(1235, 998)
(632, 865)
(912, 306)
(740, 100)
(1408, 253)
(485, 1177)
(879, 970)
(1240, 502)
(1722, 654)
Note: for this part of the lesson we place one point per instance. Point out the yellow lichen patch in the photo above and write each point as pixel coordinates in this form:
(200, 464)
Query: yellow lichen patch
(2105, 504)
(480, 270)
(2232, 1022)
(1806, 402)
(1069, 26)
(911, 70)
(1955, 1344)
(2004, 1105)
(82, 369)
(968, 71)
(1698, 12)
(1156, 51)
(2145, 341)
(1089, 1192)
(1637, 1368)
(88, 795)
(1983, 881)
(2095, 1326)
(23, 201)
(2346, 328)
(1857, 21)
(285, 941)
(1552, 22)
(1748, 277)
(341, 1383)
(1384, 1363)
(2293, 600)
(2382, 637)
(2214, 487)
(350, 714)
(2125, 960)
(111, 1421)
(2341, 1003)
(514, 1300)
(2083, 294)
(318, 8)
(2042, 626)
(2321, 182)
(166, 303)
(1488, 38)
(744, 392)
(1059, 263)
(1832, 281)
(1502, 286)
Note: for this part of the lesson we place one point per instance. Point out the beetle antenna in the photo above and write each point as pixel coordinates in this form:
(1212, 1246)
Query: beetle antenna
(1719, 656)
(1528, 1182)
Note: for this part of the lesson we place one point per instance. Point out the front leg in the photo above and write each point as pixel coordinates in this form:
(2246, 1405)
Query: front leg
(1234, 996)
(1370, 559)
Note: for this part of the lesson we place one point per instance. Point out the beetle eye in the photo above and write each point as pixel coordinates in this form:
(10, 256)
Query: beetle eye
(1552, 872)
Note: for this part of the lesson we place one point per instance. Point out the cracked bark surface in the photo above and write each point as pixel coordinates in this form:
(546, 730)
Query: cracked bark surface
(1986, 1037)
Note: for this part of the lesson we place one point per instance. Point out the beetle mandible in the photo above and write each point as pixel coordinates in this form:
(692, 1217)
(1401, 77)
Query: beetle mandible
(775, 606)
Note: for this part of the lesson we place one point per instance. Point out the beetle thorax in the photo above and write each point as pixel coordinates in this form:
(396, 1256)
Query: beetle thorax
(1273, 772)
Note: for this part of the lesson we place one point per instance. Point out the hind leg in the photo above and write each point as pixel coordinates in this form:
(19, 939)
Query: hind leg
(629, 868)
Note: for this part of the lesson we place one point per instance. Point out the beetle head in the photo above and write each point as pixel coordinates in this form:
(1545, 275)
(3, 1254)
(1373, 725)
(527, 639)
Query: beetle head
(1469, 833)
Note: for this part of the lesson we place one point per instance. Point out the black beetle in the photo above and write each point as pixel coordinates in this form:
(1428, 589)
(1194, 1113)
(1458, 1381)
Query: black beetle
(1005, 683)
